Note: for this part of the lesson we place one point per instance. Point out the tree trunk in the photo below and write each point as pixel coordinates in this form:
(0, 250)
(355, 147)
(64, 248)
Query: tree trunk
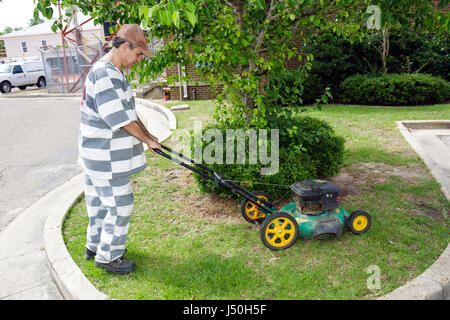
(385, 53)
(249, 106)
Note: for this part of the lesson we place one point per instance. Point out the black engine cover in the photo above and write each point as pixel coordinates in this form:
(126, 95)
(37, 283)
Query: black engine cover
(310, 193)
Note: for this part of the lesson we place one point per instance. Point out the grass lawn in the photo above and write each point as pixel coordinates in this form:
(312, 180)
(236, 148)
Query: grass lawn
(189, 245)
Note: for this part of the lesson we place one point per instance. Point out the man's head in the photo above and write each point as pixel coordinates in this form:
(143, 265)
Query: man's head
(131, 45)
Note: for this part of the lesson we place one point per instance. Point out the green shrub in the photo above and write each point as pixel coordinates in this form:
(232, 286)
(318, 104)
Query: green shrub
(319, 141)
(313, 88)
(308, 148)
(395, 89)
(285, 88)
(292, 88)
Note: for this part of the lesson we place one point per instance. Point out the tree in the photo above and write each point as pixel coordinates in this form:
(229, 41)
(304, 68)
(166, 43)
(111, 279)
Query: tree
(9, 30)
(2, 48)
(34, 21)
(237, 43)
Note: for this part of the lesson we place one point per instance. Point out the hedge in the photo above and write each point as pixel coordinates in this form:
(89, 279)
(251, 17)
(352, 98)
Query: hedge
(394, 89)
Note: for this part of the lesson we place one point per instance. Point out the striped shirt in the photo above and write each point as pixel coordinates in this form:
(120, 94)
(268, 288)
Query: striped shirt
(106, 150)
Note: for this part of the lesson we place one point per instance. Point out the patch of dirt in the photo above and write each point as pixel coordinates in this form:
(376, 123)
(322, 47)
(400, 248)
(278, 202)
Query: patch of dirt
(408, 173)
(362, 177)
(353, 181)
(209, 207)
(425, 210)
(178, 176)
(347, 182)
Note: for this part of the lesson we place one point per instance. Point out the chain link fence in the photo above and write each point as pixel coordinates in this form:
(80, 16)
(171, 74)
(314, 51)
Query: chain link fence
(66, 69)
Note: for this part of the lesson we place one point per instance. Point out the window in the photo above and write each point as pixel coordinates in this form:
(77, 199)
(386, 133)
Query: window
(17, 69)
(199, 65)
(24, 47)
(5, 68)
(44, 43)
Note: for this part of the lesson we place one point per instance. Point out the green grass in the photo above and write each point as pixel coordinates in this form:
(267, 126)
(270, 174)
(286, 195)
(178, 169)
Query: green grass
(371, 132)
(189, 245)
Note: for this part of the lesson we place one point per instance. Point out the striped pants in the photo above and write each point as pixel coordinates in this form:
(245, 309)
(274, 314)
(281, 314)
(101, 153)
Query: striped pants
(109, 205)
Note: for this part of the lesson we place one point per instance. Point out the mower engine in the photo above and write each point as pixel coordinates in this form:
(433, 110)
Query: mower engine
(313, 197)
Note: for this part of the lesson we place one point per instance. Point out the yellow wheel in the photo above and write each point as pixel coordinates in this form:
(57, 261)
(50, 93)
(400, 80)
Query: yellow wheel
(279, 231)
(251, 212)
(359, 222)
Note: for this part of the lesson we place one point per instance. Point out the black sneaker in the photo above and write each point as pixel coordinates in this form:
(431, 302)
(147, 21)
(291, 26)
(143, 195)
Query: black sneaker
(119, 266)
(88, 254)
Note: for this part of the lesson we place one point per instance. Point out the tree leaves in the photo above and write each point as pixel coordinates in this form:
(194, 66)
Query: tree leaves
(176, 19)
(192, 17)
(170, 13)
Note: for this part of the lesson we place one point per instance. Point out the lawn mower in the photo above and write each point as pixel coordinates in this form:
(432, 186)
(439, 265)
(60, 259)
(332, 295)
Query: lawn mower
(314, 214)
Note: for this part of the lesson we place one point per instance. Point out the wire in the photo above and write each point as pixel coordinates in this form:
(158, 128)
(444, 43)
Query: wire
(264, 183)
(284, 196)
(269, 184)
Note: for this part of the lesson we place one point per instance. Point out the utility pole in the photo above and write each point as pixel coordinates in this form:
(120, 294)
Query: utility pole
(64, 48)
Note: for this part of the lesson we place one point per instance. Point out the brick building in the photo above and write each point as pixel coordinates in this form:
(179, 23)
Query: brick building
(195, 89)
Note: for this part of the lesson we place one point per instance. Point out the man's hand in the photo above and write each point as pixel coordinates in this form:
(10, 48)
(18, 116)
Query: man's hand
(153, 145)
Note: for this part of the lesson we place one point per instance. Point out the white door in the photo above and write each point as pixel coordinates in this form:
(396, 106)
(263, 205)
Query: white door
(18, 76)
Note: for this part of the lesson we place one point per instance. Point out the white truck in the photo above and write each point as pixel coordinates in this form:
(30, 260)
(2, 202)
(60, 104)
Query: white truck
(21, 75)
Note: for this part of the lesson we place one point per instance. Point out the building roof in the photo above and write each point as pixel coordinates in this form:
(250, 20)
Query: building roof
(46, 28)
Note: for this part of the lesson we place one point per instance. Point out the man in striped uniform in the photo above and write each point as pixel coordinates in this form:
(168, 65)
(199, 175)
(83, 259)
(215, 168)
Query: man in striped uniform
(111, 149)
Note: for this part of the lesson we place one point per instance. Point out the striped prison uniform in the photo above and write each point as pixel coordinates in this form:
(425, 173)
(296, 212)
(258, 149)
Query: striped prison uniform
(108, 155)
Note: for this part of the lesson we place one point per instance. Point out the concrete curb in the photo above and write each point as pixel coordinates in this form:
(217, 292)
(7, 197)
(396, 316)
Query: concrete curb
(434, 283)
(70, 280)
(40, 95)
(170, 117)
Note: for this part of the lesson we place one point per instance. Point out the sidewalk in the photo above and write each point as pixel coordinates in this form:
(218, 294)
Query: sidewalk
(38, 93)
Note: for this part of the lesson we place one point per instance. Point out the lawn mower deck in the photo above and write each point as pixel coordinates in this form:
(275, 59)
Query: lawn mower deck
(314, 214)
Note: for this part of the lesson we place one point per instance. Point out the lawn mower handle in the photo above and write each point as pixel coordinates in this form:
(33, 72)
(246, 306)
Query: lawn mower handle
(216, 178)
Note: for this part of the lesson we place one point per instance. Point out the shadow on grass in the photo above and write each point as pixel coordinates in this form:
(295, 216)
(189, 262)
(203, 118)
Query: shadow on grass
(202, 276)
